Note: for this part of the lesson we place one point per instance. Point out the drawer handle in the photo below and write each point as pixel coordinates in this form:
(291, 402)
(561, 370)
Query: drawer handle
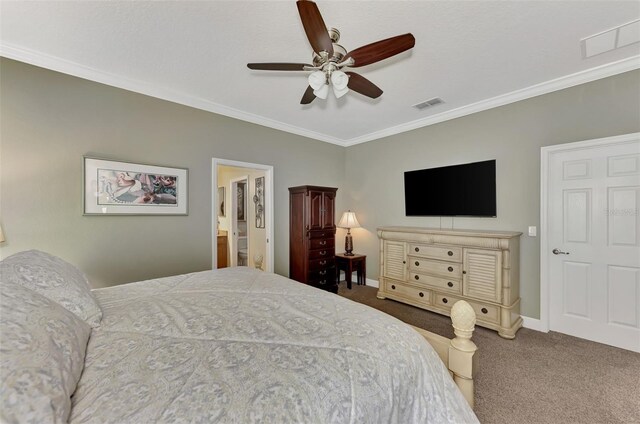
(322, 235)
(444, 300)
(416, 277)
(417, 263)
(450, 269)
(450, 284)
(323, 281)
(404, 262)
(417, 249)
(324, 252)
(450, 253)
(393, 287)
(323, 242)
(323, 262)
(421, 294)
(323, 272)
(464, 272)
(484, 310)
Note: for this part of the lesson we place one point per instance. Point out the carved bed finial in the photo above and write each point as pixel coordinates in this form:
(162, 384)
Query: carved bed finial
(463, 318)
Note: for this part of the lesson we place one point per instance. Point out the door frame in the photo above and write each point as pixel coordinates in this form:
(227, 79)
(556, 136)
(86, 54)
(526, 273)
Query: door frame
(546, 154)
(269, 207)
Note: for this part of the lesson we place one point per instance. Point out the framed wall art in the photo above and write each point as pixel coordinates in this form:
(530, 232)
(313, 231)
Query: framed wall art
(125, 188)
(258, 199)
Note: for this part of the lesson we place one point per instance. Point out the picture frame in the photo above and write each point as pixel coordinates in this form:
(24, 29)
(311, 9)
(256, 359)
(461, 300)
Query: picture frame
(127, 188)
(221, 203)
(258, 199)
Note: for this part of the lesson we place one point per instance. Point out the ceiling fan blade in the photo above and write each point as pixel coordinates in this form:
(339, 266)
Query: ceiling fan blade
(314, 27)
(308, 96)
(360, 84)
(277, 66)
(380, 50)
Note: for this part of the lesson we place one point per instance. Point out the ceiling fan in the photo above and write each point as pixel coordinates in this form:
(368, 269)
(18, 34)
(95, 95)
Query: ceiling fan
(330, 58)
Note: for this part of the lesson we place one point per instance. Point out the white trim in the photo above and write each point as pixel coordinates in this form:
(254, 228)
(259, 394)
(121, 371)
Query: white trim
(546, 87)
(43, 60)
(545, 153)
(269, 207)
(534, 324)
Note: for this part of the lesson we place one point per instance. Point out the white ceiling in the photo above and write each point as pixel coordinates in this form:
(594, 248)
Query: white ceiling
(474, 55)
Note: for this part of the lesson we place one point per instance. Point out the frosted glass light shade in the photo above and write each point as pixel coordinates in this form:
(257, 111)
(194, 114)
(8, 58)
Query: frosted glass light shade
(348, 220)
(339, 81)
(322, 92)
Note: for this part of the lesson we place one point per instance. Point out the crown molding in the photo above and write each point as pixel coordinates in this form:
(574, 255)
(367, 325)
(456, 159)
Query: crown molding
(81, 71)
(582, 77)
(42, 60)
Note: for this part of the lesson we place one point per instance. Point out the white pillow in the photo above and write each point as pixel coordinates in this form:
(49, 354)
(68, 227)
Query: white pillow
(41, 356)
(55, 279)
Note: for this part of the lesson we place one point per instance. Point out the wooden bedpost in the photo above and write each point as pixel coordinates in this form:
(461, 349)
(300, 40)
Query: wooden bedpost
(462, 358)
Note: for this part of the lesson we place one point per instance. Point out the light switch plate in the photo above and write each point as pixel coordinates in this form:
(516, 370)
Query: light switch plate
(533, 231)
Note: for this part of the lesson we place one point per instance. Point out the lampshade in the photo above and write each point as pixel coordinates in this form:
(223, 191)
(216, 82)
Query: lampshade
(318, 81)
(339, 81)
(349, 220)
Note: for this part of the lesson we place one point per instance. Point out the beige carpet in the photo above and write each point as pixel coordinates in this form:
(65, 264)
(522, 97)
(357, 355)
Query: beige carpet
(537, 377)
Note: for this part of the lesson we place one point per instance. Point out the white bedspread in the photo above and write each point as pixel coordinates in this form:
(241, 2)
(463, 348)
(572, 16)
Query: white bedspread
(240, 345)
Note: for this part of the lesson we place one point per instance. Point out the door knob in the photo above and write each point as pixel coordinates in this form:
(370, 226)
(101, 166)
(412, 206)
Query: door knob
(557, 251)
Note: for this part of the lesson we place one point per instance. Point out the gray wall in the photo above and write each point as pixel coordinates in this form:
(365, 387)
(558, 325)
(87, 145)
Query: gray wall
(50, 120)
(512, 135)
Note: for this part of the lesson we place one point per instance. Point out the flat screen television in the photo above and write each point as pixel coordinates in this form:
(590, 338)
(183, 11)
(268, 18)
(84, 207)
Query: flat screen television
(458, 190)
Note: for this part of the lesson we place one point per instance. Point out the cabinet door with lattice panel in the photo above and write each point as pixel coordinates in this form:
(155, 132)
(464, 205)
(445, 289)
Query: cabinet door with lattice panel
(482, 274)
(394, 260)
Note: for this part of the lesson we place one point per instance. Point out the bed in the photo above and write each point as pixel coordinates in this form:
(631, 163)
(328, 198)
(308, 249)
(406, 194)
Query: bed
(230, 345)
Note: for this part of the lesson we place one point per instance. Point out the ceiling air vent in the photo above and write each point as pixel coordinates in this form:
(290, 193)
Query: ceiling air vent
(428, 103)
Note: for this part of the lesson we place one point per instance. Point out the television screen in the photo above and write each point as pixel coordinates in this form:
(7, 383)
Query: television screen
(457, 190)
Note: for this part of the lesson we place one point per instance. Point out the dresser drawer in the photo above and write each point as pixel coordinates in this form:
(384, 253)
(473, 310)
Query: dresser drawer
(413, 293)
(447, 284)
(484, 311)
(328, 273)
(321, 243)
(317, 264)
(452, 254)
(439, 268)
(322, 253)
(320, 234)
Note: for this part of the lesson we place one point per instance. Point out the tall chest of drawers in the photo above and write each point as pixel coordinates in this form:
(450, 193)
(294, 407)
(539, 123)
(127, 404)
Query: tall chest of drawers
(312, 234)
(432, 269)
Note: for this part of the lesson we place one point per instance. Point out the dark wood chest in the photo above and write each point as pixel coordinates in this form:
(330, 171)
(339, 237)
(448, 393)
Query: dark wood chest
(312, 235)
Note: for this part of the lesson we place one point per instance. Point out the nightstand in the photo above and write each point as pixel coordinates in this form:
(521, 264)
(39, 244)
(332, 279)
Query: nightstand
(349, 264)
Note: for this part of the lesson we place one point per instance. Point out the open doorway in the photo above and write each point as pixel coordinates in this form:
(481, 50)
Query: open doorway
(242, 221)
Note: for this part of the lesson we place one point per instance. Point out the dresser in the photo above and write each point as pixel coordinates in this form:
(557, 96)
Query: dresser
(312, 234)
(433, 269)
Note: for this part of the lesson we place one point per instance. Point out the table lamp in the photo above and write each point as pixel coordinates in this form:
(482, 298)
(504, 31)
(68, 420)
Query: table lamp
(348, 221)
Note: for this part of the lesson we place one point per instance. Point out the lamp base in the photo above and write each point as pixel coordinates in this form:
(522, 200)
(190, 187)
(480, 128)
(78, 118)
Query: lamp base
(348, 244)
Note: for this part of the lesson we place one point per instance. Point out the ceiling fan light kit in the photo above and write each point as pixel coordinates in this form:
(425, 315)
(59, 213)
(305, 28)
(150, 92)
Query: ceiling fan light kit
(329, 58)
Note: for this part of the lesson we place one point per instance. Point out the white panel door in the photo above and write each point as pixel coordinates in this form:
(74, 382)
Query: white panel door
(594, 243)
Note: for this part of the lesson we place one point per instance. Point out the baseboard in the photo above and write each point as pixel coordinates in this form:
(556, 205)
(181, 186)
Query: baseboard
(369, 282)
(534, 324)
(372, 283)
